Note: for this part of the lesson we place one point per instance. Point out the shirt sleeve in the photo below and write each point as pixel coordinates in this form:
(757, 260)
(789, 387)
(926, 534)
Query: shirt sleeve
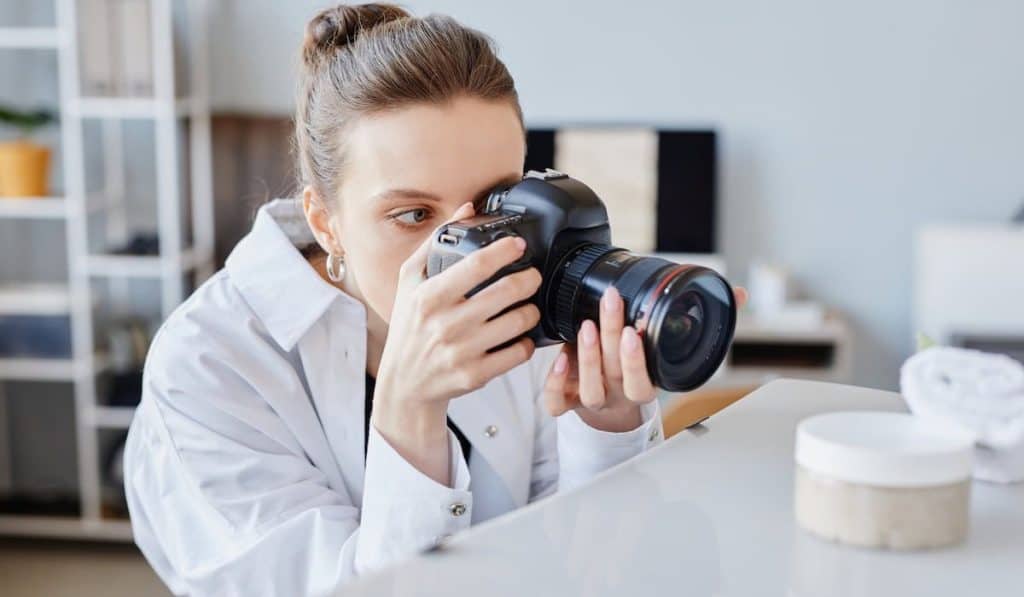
(225, 501)
(567, 451)
(404, 510)
(584, 451)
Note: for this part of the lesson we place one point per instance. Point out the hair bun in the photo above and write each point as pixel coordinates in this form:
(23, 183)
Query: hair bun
(334, 28)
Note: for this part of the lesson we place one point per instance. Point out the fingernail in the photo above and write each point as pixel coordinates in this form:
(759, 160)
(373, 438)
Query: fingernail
(630, 341)
(589, 333)
(560, 363)
(610, 300)
(520, 243)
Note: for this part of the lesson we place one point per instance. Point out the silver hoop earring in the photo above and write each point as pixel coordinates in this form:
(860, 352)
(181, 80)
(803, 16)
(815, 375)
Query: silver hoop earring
(336, 267)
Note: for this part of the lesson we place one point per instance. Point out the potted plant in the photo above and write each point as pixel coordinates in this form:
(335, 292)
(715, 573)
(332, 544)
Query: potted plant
(24, 165)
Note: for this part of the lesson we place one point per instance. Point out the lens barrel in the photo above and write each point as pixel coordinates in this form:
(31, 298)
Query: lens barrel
(686, 314)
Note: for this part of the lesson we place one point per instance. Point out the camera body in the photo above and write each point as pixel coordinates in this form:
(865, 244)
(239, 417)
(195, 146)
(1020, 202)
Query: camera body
(551, 211)
(685, 314)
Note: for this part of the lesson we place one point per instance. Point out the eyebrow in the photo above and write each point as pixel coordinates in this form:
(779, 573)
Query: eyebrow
(393, 194)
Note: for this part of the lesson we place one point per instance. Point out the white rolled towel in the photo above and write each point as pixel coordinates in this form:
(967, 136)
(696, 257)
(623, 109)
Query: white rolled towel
(980, 392)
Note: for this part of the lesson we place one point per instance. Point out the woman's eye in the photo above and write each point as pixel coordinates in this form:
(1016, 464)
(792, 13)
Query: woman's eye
(411, 217)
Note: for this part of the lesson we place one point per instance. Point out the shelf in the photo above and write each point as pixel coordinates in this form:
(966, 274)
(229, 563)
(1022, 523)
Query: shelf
(135, 266)
(33, 207)
(129, 107)
(41, 208)
(34, 298)
(756, 376)
(29, 369)
(113, 417)
(26, 369)
(830, 330)
(27, 38)
(58, 527)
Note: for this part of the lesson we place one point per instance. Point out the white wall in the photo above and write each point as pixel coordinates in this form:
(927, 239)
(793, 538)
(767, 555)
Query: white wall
(843, 126)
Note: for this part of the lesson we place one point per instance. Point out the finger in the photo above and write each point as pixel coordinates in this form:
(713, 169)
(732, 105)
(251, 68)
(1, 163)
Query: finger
(478, 266)
(501, 329)
(636, 383)
(501, 361)
(591, 382)
(556, 399)
(611, 336)
(496, 297)
(414, 267)
(742, 296)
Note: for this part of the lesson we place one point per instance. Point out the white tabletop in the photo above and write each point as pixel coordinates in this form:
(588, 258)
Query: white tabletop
(710, 513)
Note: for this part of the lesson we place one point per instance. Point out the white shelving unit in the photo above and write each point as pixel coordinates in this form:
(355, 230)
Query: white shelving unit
(29, 37)
(831, 338)
(34, 207)
(165, 109)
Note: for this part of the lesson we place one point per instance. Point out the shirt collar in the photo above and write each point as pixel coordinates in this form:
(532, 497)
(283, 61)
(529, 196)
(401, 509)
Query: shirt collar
(275, 279)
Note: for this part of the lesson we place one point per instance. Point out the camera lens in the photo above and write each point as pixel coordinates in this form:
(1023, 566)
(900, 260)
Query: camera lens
(686, 314)
(682, 328)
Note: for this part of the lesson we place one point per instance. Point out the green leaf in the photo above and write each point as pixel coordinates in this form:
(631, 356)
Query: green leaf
(27, 121)
(924, 342)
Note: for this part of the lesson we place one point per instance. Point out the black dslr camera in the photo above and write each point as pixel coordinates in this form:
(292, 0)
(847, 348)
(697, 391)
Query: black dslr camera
(685, 314)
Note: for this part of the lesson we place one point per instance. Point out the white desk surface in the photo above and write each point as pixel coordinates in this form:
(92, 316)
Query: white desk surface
(710, 513)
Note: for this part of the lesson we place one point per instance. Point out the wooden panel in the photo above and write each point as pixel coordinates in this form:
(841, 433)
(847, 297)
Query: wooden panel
(692, 407)
(252, 163)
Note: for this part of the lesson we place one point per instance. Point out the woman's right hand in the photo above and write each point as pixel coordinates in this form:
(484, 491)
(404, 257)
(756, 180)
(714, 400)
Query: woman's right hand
(438, 340)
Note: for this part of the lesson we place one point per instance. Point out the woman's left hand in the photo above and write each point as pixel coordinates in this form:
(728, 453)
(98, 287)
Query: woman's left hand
(603, 376)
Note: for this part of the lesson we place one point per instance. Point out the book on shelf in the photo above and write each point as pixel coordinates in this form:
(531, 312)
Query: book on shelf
(115, 48)
(136, 52)
(96, 46)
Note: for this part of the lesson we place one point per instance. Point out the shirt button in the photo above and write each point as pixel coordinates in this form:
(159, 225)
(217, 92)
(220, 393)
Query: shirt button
(457, 509)
(654, 434)
(491, 430)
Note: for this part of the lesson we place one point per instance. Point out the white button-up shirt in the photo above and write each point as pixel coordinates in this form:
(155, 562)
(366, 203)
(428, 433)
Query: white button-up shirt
(245, 470)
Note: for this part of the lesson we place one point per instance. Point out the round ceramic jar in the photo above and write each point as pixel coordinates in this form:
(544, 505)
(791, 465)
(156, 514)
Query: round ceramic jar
(882, 480)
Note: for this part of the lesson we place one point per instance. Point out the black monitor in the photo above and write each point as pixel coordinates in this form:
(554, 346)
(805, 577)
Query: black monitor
(686, 184)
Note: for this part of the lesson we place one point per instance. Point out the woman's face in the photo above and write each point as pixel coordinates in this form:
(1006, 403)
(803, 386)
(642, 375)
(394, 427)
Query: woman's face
(406, 172)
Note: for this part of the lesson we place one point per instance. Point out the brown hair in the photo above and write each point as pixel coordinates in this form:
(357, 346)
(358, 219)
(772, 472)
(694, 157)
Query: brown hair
(369, 58)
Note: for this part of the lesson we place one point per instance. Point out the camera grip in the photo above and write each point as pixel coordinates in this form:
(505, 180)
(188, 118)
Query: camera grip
(524, 262)
(518, 265)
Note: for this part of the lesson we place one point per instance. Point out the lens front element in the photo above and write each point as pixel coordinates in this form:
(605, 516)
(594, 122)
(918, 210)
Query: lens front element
(681, 330)
(690, 326)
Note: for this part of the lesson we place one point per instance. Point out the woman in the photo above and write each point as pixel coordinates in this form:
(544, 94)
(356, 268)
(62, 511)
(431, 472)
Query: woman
(254, 464)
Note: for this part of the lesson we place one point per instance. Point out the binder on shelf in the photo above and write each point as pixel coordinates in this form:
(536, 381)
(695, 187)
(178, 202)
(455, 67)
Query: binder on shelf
(136, 51)
(96, 51)
(116, 48)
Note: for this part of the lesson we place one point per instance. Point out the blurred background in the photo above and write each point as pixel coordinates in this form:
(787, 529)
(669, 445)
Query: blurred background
(858, 166)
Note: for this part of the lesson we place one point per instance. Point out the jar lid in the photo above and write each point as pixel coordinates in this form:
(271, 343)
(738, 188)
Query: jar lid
(884, 449)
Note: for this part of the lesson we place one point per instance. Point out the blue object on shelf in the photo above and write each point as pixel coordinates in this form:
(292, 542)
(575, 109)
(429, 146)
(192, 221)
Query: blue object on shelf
(35, 336)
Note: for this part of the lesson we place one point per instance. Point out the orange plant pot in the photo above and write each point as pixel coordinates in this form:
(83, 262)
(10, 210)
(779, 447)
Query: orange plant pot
(24, 169)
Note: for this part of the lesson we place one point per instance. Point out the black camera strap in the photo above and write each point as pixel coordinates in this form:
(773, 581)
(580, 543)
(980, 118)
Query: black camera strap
(370, 385)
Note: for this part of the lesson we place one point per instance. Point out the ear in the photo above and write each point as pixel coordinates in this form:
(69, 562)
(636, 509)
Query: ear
(319, 220)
